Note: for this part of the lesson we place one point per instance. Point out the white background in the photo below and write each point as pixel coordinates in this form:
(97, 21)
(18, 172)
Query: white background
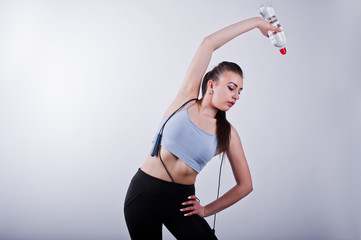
(83, 86)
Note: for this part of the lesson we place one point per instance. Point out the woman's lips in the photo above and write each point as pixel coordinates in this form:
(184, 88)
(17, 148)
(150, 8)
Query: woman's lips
(230, 104)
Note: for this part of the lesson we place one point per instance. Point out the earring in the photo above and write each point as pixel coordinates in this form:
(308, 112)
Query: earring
(210, 92)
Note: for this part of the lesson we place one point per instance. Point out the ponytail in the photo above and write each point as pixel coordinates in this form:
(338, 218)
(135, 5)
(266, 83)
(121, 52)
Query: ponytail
(223, 131)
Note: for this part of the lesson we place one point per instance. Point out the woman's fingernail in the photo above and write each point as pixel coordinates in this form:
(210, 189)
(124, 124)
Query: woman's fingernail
(189, 197)
(183, 204)
(185, 215)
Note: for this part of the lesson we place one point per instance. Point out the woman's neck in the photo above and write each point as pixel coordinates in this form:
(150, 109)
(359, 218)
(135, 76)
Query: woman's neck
(206, 108)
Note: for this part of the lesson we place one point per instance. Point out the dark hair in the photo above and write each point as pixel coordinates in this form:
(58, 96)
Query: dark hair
(223, 126)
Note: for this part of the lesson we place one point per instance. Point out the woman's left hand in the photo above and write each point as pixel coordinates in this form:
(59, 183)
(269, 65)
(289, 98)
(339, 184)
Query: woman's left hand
(195, 207)
(264, 26)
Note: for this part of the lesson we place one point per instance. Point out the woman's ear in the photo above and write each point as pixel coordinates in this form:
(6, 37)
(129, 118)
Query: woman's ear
(210, 85)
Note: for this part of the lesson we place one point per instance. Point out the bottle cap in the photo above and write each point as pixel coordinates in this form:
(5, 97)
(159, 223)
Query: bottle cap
(283, 51)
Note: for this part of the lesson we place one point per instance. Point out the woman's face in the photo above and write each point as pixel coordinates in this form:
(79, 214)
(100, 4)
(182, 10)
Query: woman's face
(226, 90)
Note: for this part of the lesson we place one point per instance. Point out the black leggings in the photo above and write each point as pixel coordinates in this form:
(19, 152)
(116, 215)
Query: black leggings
(151, 202)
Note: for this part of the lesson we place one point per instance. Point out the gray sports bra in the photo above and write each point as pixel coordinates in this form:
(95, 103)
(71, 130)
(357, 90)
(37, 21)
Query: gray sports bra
(188, 142)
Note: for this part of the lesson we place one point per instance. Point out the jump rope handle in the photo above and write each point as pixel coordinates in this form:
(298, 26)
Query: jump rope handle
(156, 145)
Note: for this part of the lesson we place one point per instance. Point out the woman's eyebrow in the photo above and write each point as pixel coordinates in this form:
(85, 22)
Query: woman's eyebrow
(235, 85)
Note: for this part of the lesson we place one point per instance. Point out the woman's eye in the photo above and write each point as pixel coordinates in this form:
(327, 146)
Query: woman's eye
(230, 88)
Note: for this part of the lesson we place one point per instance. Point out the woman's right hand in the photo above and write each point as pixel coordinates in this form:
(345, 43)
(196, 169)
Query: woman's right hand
(195, 208)
(264, 27)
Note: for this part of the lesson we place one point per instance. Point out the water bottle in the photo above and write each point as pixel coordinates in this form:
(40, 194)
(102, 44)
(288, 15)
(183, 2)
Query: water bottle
(278, 39)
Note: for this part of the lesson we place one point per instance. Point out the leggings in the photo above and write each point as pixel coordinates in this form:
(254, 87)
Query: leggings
(151, 202)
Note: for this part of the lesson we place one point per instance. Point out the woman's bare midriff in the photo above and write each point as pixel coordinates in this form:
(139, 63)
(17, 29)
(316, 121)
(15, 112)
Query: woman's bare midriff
(180, 172)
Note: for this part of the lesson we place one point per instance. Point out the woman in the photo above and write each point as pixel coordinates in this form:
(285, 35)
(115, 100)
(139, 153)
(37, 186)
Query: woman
(162, 191)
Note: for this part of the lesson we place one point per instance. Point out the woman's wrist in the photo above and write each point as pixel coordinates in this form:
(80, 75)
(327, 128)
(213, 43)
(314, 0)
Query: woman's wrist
(258, 21)
(205, 212)
(254, 22)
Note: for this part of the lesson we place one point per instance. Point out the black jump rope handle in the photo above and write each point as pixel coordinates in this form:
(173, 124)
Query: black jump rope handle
(156, 145)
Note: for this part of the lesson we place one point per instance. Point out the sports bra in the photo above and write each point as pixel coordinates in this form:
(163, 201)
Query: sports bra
(187, 141)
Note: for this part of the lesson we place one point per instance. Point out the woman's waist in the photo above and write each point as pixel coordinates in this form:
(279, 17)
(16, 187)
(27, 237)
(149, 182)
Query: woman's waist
(158, 187)
(180, 172)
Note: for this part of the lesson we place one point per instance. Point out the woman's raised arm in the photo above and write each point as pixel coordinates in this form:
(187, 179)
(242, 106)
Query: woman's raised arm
(199, 64)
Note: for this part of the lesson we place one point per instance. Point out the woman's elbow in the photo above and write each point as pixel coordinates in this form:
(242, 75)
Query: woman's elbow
(249, 184)
(208, 44)
(250, 188)
(244, 189)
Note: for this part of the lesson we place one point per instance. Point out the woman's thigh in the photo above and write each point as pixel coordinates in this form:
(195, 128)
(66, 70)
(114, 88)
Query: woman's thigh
(190, 227)
(141, 216)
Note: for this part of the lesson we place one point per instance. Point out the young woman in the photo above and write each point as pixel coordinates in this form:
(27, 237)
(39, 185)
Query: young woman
(162, 191)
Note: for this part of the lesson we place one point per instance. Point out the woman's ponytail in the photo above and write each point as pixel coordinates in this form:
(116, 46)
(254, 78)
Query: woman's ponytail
(223, 131)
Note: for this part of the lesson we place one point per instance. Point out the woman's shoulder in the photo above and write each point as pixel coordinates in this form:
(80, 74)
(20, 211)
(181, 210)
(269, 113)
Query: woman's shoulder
(234, 133)
(178, 103)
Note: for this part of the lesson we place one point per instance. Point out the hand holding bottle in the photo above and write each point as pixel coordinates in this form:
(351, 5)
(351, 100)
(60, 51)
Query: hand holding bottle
(278, 39)
(265, 27)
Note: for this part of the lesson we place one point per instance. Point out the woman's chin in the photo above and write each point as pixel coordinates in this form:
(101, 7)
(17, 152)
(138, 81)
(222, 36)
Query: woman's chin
(224, 109)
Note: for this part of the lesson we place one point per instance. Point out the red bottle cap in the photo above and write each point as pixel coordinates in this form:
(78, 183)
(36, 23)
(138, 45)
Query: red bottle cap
(283, 51)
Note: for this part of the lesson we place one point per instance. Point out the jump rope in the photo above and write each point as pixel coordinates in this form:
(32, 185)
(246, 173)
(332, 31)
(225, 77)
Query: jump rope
(156, 151)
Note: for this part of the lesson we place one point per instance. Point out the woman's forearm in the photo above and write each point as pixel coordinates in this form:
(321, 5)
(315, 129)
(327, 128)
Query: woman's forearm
(229, 198)
(221, 37)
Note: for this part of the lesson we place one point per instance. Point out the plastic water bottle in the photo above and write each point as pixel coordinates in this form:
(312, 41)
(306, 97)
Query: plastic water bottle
(278, 39)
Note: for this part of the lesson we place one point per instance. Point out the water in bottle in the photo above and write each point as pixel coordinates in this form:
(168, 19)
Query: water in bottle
(278, 39)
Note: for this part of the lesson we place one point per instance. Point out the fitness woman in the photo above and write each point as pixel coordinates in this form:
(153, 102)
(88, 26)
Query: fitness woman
(162, 191)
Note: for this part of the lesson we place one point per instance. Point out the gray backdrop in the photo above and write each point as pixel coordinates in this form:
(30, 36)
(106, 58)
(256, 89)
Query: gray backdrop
(83, 86)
